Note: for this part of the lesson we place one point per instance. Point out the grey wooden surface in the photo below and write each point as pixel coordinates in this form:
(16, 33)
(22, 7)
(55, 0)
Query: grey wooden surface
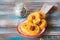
(8, 21)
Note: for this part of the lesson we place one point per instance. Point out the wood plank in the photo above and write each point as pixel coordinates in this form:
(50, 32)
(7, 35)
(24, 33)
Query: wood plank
(14, 31)
(10, 6)
(10, 23)
(30, 1)
(7, 22)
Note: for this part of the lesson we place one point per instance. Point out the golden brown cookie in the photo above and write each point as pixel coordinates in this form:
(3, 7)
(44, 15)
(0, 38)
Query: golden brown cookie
(30, 29)
(34, 17)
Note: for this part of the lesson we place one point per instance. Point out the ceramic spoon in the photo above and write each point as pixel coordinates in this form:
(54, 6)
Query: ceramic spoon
(45, 8)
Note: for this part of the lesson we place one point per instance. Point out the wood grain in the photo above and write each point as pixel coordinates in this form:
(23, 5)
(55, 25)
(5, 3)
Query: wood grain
(7, 17)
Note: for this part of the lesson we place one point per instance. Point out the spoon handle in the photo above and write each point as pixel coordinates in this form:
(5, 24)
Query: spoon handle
(46, 7)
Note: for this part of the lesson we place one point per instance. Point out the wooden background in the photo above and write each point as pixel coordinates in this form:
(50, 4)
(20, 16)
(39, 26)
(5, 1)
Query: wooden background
(8, 20)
